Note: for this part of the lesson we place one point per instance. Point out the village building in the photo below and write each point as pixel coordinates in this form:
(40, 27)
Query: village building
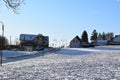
(101, 42)
(76, 42)
(32, 42)
(116, 40)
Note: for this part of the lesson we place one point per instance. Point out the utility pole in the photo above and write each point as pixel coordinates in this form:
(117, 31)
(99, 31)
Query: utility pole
(1, 52)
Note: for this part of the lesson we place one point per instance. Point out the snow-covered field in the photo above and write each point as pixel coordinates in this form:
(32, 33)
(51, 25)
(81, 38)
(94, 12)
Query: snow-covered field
(99, 63)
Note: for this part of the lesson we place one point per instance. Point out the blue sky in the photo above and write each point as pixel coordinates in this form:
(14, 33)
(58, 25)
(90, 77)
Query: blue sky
(62, 19)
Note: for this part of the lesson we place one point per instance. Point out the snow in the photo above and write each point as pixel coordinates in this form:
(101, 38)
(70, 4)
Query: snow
(27, 37)
(30, 37)
(99, 63)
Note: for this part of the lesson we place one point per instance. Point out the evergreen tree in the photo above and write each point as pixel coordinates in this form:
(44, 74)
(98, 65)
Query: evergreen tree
(85, 37)
(94, 35)
(104, 36)
(99, 37)
(110, 36)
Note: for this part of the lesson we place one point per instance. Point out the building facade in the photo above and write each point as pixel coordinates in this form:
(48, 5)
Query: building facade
(76, 42)
(116, 40)
(34, 42)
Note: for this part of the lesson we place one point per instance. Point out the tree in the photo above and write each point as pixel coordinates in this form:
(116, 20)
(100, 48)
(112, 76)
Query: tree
(94, 36)
(3, 42)
(85, 37)
(110, 36)
(13, 4)
(104, 36)
(99, 37)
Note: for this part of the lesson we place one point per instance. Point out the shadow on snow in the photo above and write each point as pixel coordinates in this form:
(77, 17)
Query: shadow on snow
(72, 52)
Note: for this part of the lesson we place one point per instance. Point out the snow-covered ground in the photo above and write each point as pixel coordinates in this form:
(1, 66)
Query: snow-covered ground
(99, 63)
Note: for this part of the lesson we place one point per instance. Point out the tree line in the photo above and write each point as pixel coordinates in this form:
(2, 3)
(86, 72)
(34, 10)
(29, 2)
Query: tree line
(84, 37)
(97, 36)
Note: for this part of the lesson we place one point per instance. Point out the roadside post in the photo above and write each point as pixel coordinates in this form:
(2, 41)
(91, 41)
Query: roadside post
(1, 57)
(1, 53)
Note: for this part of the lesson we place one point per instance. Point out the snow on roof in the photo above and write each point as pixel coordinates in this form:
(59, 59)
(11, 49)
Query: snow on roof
(27, 37)
(30, 37)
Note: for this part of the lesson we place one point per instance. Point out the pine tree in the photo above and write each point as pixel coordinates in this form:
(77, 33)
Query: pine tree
(104, 36)
(85, 37)
(94, 36)
(99, 37)
(110, 36)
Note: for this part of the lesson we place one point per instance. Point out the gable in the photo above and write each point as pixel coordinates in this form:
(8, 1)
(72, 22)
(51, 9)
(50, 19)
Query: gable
(76, 40)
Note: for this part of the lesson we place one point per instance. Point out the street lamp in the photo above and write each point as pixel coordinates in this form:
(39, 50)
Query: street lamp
(2, 40)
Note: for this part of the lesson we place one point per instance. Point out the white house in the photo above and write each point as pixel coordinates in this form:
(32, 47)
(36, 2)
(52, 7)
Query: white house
(100, 41)
(116, 40)
(76, 42)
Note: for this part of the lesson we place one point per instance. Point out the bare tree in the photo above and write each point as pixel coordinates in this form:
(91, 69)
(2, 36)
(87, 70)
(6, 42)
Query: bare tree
(13, 4)
(3, 42)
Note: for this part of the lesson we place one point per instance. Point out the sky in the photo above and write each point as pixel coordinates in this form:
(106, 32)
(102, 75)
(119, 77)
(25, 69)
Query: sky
(61, 20)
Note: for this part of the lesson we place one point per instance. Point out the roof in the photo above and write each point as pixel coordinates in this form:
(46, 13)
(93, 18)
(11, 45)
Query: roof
(116, 39)
(27, 37)
(30, 37)
(77, 37)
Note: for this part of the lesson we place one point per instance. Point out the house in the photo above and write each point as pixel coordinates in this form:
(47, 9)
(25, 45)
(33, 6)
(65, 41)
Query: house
(100, 41)
(76, 42)
(33, 42)
(116, 40)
